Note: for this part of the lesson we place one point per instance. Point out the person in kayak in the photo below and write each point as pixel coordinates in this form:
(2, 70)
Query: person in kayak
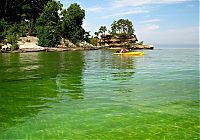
(123, 50)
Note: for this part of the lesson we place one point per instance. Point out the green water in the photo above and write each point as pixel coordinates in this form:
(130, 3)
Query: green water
(96, 95)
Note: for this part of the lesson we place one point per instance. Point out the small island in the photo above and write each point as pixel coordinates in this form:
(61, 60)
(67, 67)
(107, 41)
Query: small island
(121, 35)
(53, 28)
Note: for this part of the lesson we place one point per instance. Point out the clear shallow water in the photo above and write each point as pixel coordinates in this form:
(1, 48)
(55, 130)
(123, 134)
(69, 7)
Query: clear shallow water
(96, 95)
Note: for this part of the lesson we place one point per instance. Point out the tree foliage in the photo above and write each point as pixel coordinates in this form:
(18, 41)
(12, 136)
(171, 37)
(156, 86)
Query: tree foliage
(122, 27)
(87, 37)
(3, 28)
(71, 23)
(102, 30)
(22, 11)
(17, 10)
(42, 18)
(12, 37)
(47, 25)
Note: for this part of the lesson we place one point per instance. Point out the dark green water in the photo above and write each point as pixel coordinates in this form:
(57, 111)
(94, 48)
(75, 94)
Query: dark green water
(95, 95)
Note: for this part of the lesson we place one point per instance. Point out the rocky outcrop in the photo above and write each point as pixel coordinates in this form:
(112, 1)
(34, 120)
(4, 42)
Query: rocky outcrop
(130, 42)
(29, 44)
(6, 48)
(65, 43)
(87, 46)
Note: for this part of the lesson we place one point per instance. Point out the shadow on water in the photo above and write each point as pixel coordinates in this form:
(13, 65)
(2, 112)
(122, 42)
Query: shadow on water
(30, 82)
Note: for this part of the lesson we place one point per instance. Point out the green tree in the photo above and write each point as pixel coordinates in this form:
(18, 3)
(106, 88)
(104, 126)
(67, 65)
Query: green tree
(97, 34)
(3, 28)
(114, 27)
(12, 37)
(20, 11)
(95, 39)
(47, 25)
(23, 28)
(102, 30)
(71, 23)
(87, 37)
(122, 27)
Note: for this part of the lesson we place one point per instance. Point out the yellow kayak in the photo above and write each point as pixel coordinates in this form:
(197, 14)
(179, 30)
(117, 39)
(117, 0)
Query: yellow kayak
(131, 53)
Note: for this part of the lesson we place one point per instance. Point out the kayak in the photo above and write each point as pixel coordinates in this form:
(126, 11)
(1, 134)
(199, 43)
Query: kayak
(131, 53)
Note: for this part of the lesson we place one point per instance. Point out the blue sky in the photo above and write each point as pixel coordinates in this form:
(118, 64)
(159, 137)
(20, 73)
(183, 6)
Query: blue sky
(155, 21)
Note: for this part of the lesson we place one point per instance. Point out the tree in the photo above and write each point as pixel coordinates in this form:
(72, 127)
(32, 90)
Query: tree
(97, 34)
(42, 18)
(16, 10)
(102, 30)
(114, 27)
(3, 28)
(71, 23)
(95, 39)
(87, 37)
(19, 11)
(122, 27)
(47, 25)
(12, 37)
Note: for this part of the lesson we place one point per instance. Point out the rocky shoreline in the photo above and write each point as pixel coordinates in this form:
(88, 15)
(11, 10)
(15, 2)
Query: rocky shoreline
(46, 49)
(29, 44)
(62, 49)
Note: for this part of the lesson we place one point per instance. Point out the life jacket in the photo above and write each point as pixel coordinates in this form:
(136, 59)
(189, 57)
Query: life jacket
(123, 50)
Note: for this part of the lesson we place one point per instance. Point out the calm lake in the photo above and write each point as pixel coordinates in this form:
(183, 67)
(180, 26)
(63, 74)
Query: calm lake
(96, 95)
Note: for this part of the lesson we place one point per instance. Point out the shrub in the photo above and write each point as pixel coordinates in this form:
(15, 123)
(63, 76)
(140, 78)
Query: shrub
(12, 37)
(48, 36)
(3, 26)
(23, 29)
(93, 41)
(47, 25)
(14, 46)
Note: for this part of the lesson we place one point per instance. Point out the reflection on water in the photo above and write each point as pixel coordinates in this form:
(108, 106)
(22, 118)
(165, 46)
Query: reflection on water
(29, 81)
(28, 61)
(124, 66)
(123, 62)
(73, 90)
(19, 66)
(69, 77)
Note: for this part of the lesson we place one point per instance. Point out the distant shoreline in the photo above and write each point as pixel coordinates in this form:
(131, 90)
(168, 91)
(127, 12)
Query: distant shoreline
(62, 49)
(29, 44)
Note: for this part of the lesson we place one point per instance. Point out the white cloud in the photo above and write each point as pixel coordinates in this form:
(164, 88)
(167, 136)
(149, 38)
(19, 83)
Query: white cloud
(124, 3)
(130, 12)
(94, 9)
(151, 20)
(148, 28)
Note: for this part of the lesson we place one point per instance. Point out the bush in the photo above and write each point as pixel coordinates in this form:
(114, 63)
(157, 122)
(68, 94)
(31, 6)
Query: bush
(3, 27)
(14, 46)
(47, 25)
(93, 41)
(23, 29)
(12, 37)
(48, 36)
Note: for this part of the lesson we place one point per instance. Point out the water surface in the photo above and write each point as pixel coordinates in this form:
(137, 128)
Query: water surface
(97, 95)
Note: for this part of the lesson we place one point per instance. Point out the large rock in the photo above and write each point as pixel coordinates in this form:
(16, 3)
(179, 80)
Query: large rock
(66, 43)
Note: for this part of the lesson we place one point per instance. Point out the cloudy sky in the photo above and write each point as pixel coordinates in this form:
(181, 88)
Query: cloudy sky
(155, 21)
